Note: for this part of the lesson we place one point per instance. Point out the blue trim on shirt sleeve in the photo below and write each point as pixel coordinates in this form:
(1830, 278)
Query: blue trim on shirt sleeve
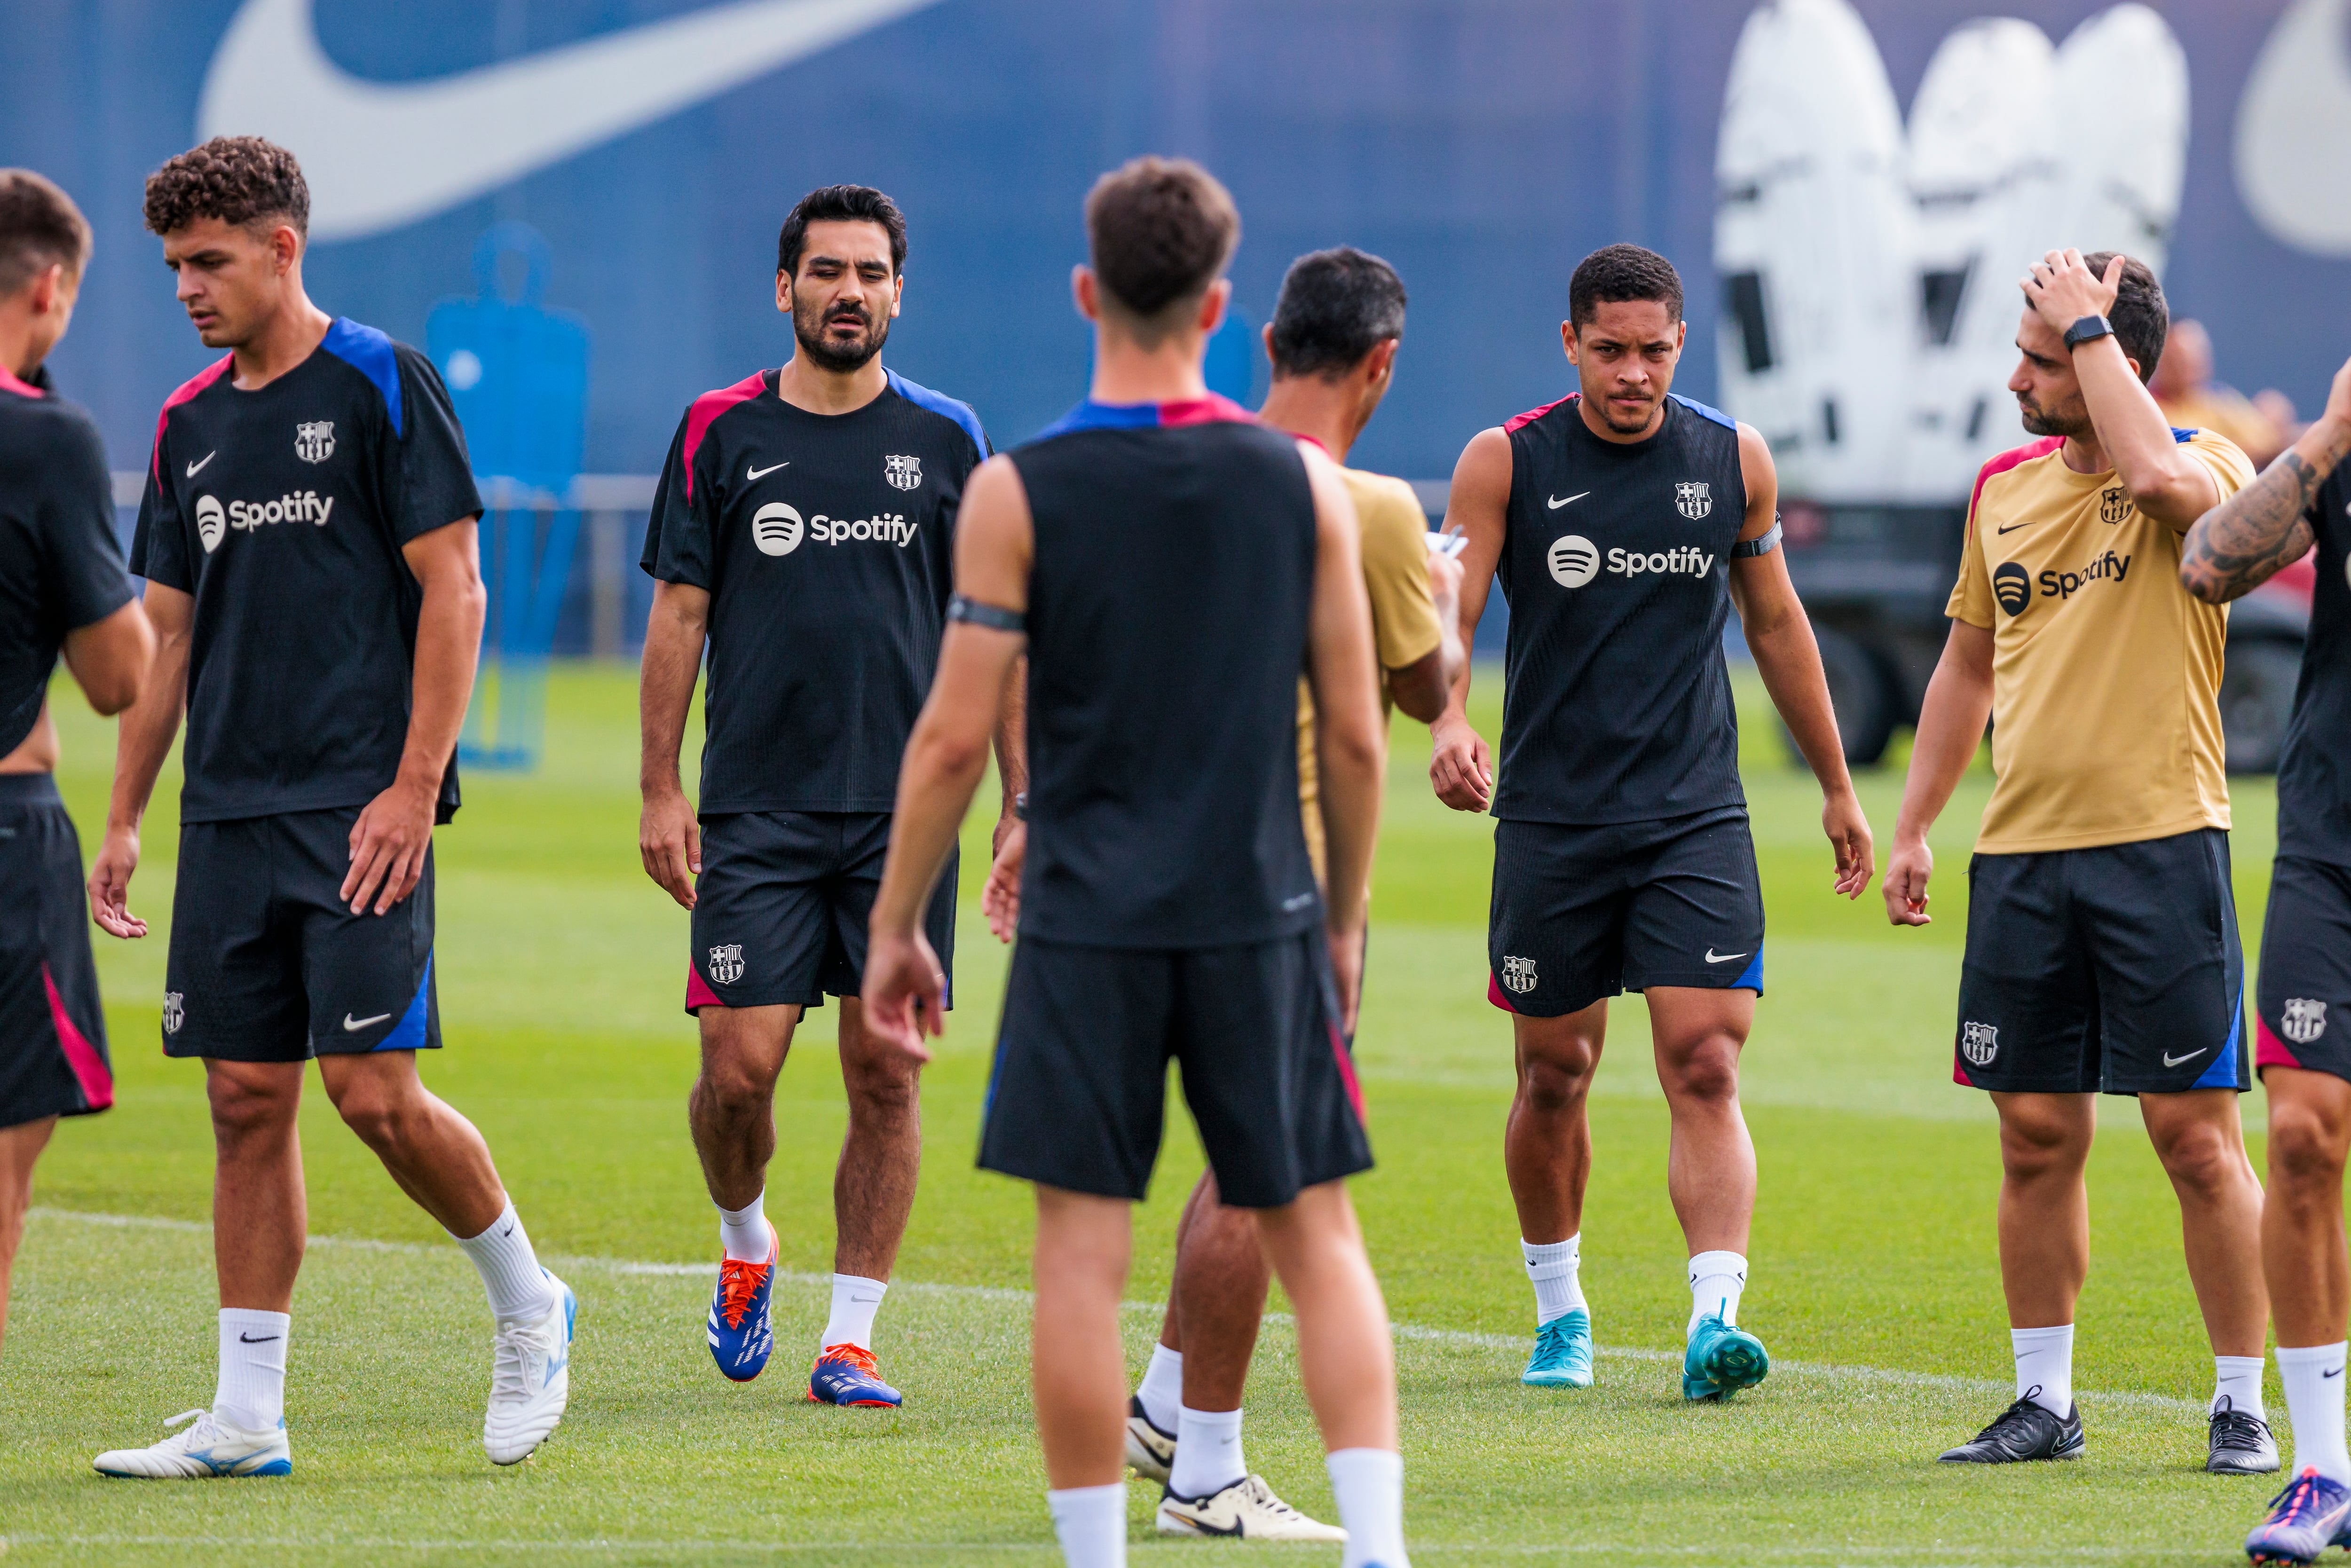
(407, 1034)
(1703, 412)
(1093, 415)
(2223, 1074)
(2178, 437)
(1751, 978)
(940, 404)
(369, 351)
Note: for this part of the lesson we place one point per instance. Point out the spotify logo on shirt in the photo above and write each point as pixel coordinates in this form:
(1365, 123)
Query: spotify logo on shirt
(212, 523)
(776, 528)
(1574, 560)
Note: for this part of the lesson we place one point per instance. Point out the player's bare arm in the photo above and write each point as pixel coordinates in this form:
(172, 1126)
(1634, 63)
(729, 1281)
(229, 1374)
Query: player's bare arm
(108, 658)
(1788, 657)
(1350, 743)
(669, 837)
(1950, 726)
(143, 740)
(1011, 753)
(2265, 527)
(2132, 432)
(1462, 768)
(945, 758)
(394, 831)
(1424, 688)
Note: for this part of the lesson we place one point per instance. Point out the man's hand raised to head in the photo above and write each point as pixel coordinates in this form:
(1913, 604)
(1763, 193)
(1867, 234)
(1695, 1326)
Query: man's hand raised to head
(2062, 288)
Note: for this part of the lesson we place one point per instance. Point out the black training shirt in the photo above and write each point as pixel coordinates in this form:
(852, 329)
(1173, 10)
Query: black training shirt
(60, 565)
(2314, 773)
(284, 511)
(826, 543)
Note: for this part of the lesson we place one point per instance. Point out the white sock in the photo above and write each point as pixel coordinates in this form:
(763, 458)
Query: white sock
(1162, 1388)
(855, 1300)
(1091, 1524)
(251, 1389)
(2314, 1379)
(1552, 1265)
(743, 1233)
(519, 1287)
(2045, 1367)
(1715, 1278)
(1369, 1486)
(2238, 1380)
(1208, 1453)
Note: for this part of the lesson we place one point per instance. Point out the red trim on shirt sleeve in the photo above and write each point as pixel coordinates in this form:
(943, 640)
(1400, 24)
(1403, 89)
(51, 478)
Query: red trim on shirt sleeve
(2002, 464)
(706, 410)
(1210, 410)
(1520, 421)
(187, 389)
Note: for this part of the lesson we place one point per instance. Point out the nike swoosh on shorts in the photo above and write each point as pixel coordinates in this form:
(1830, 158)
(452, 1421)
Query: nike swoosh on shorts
(352, 1025)
(2172, 1060)
(1714, 957)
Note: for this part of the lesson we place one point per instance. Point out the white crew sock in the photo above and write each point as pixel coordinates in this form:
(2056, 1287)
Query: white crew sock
(1091, 1524)
(742, 1233)
(1208, 1453)
(1369, 1486)
(1552, 1265)
(855, 1300)
(2314, 1379)
(2238, 1379)
(2045, 1367)
(251, 1393)
(1715, 1278)
(1162, 1388)
(518, 1286)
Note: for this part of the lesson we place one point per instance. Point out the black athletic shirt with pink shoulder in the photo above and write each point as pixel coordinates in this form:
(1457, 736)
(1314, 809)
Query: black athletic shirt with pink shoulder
(2315, 773)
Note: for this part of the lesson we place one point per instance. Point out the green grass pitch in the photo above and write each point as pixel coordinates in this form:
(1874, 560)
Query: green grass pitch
(561, 971)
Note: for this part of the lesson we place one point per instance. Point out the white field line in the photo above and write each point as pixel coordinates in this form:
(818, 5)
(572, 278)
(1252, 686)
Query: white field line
(1885, 1376)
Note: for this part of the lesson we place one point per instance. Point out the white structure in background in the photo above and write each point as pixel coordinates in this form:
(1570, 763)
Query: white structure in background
(2293, 130)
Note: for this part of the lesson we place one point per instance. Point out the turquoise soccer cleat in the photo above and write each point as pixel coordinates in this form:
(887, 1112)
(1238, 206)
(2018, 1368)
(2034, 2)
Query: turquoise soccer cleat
(1563, 1353)
(1722, 1359)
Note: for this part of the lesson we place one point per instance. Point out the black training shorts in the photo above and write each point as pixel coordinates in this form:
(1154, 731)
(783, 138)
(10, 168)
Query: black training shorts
(270, 964)
(1078, 1095)
(53, 1058)
(782, 905)
(2304, 1016)
(2115, 969)
(1581, 913)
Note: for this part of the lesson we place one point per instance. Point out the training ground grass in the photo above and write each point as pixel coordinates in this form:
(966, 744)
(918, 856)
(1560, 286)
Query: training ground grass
(560, 970)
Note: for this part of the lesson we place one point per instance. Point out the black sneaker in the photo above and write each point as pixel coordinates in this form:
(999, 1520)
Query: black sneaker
(2242, 1444)
(2024, 1431)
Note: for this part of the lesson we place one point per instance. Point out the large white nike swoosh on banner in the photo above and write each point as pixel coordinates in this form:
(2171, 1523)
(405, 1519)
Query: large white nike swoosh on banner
(382, 154)
(2293, 130)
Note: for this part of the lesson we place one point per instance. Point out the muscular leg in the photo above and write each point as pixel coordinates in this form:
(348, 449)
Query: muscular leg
(1711, 1170)
(19, 1146)
(1346, 1352)
(1547, 1146)
(881, 1156)
(1218, 1298)
(260, 1215)
(2201, 1143)
(732, 1108)
(1078, 1367)
(429, 1148)
(2302, 1255)
(2044, 1206)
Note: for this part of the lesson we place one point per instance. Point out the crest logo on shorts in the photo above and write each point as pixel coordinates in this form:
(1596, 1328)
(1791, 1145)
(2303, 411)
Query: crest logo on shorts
(1518, 975)
(1693, 499)
(2114, 505)
(212, 523)
(2304, 1020)
(1979, 1042)
(315, 443)
(905, 473)
(726, 964)
(174, 1015)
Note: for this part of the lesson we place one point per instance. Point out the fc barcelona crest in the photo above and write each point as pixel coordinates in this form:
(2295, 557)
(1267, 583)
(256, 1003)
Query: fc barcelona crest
(1693, 499)
(1518, 975)
(2304, 1020)
(315, 443)
(905, 473)
(726, 964)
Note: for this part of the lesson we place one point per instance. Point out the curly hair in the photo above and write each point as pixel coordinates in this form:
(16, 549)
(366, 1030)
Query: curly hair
(40, 227)
(240, 180)
(1616, 273)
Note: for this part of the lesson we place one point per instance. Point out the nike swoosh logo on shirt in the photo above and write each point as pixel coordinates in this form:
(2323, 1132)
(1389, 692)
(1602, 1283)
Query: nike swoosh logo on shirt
(1714, 957)
(1556, 503)
(2172, 1060)
(756, 474)
(2012, 527)
(380, 154)
(193, 466)
(352, 1025)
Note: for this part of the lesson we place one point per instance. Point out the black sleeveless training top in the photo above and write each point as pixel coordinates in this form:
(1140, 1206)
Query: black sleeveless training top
(2315, 773)
(1168, 608)
(1616, 563)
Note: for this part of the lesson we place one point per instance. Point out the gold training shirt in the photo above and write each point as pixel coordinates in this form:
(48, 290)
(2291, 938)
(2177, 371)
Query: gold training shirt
(2105, 670)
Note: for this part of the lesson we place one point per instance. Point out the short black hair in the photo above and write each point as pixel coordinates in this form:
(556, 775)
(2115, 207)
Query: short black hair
(1621, 272)
(1159, 232)
(40, 227)
(1337, 306)
(240, 180)
(2141, 317)
(840, 204)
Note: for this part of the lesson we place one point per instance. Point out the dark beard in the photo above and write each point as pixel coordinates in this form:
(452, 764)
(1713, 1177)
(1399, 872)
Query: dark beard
(827, 355)
(2041, 422)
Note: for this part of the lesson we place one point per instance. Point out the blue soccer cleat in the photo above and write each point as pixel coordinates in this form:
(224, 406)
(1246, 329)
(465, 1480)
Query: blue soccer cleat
(1563, 1355)
(1722, 1359)
(848, 1375)
(2305, 1519)
(740, 1334)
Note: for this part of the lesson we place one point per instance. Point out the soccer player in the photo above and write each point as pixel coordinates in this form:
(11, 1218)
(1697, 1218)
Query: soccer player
(2102, 953)
(2302, 1017)
(1625, 523)
(308, 537)
(62, 589)
(802, 530)
(1168, 564)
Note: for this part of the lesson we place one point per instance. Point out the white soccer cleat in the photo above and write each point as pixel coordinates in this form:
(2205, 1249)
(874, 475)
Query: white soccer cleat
(209, 1449)
(1150, 1451)
(1247, 1508)
(530, 1380)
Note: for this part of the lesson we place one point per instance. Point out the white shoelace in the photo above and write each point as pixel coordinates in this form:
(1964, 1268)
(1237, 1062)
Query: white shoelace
(519, 1348)
(1262, 1495)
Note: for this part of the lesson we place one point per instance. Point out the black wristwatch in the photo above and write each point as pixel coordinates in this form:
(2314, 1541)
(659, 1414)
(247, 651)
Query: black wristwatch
(1020, 806)
(2087, 328)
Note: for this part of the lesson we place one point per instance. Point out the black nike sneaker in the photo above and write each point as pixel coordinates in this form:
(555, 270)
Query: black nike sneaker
(2024, 1431)
(2242, 1444)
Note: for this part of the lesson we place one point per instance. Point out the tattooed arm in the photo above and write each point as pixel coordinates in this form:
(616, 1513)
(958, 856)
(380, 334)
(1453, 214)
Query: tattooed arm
(2266, 526)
